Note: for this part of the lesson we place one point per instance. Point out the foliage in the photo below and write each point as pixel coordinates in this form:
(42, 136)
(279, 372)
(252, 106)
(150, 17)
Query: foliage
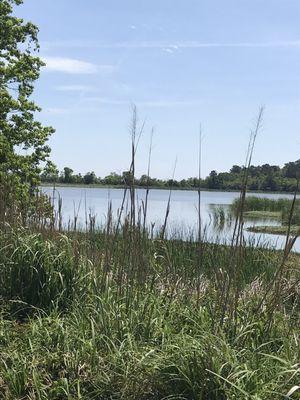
(120, 314)
(23, 148)
(109, 318)
(261, 178)
(35, 273)
(283, 206)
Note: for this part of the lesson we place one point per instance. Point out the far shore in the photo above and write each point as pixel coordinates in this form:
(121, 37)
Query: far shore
(100, 186)
(275, 230)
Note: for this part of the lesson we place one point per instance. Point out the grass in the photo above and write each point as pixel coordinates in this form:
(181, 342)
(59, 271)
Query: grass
(262, 214)
(115, 314)
(87, 355)
(263, 205)
(280, 209)
(253, 203)
(90, 316)
(274, 230)
(120, 313)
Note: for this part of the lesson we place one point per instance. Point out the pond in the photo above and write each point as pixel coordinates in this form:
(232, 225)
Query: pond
(183, 216)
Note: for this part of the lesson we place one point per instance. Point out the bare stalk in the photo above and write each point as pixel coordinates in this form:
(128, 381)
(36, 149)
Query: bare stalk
(163, 230)
(145, 206)
(237, 245)
(276, 282)
(136, 134)
(200, 243)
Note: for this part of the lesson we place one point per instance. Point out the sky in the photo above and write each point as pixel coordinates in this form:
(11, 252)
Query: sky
(184, 64)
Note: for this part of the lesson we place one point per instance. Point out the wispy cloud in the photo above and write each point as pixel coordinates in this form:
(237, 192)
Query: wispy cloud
(169, 103)
(170, 51)
(174, 45)
(69, 65)
(75, 88)
(144, 103)
(74, 66)
(93, 104)
(56, 111)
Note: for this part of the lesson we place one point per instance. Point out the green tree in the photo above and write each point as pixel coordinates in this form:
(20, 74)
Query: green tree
(50, 174)
(236, 169)
(292, 170)
(212, 180)
(113, 179)
(144, 180)
(68, 176)
(89, 178)
(127, 178)
(23, 140)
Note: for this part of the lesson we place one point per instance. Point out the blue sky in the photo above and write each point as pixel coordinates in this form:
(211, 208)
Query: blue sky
(182, 62)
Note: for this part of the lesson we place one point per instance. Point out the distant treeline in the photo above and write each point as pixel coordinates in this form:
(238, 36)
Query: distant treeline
(265, 177)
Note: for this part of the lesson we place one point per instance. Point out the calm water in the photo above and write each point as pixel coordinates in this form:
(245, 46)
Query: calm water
(183, 215)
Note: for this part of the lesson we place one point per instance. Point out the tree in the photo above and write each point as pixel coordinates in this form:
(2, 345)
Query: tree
(89, 178)
(68, 175)
(212, 180)
(23, 140)
(50, 174)
(128, 178)
(113, 179)
(269, 183)
(236, 169)
(292, 170)
(144, 181)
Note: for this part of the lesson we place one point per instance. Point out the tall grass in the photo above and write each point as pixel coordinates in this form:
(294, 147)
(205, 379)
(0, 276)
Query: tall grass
(121, 313)
(283, 206)
(109, 328)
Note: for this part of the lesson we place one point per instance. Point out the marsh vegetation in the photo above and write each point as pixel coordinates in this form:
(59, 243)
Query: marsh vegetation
(114, 314)
(120, 311)
(286, 211)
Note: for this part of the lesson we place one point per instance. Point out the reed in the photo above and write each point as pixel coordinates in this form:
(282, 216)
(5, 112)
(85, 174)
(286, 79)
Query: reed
(121, 312)
(282, 206)
(76, 328)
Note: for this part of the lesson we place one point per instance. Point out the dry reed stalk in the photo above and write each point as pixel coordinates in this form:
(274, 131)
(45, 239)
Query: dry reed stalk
(145, 205)
(277, 282)
(237, 245)
(164, 227)
(200, 239)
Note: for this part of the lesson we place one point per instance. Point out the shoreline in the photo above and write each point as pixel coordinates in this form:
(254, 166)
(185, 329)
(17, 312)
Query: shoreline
(187, 189)
(281, 230)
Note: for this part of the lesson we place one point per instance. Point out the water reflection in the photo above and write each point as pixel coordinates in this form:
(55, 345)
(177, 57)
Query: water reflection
(183, 218)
